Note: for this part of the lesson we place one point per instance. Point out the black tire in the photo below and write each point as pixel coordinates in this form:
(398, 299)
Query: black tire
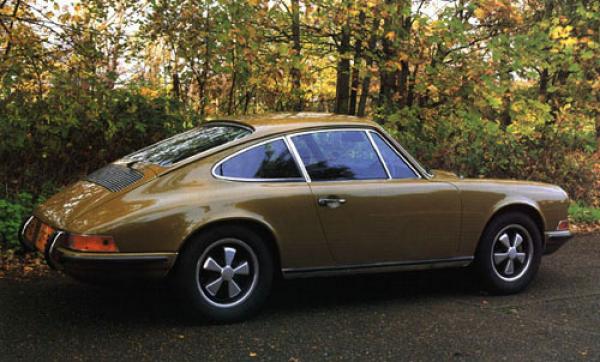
(493, 255)
(194, 275)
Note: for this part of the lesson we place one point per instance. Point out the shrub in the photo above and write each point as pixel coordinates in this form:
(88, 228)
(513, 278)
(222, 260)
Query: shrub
(70, 132)
(580, 213)
(463, 141)
(12, 215)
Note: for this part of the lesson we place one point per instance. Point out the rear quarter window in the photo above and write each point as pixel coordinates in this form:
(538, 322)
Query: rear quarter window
(268, 161)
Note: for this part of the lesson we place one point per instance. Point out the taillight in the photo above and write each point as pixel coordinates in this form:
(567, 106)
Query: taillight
(97, 243)
(563, 225)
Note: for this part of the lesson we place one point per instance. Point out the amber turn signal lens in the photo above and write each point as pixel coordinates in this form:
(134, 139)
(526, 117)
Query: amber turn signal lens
(97, 243)
(563, 225)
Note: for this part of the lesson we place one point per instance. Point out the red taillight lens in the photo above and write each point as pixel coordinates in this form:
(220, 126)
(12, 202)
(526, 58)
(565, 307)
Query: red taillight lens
(97, 243)
(563, 225)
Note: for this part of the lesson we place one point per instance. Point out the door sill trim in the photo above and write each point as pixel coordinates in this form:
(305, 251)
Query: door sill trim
(382, 267)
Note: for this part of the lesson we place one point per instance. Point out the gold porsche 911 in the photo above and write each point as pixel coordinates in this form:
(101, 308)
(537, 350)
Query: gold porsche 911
(226, 207)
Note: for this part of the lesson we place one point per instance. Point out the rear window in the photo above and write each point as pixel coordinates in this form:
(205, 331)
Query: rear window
(187, 144)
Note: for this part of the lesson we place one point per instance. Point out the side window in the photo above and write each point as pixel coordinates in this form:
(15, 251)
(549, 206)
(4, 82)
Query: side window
(396, 165)
(339, 155)
(271, 160)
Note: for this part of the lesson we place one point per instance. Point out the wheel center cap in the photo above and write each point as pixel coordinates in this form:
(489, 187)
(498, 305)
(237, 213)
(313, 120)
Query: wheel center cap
(227, 273)
(512, 253)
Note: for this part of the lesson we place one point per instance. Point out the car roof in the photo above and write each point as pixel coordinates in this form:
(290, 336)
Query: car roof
(275, 123)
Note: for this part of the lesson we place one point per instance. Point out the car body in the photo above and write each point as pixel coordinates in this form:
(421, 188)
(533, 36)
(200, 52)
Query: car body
(341, 196)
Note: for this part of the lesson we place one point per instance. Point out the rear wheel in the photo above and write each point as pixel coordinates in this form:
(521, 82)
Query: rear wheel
(509, 253)
(226, 273)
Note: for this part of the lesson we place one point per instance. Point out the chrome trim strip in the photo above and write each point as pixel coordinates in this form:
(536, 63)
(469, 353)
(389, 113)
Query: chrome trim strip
(379, 155)
(116, 257)
(417, 174)
(405, 154)
(377, 267)
(288, 139)
(291, 135)
(296, 155)
(50, 249)
(559, 234)
(243, 179)
(25, 227)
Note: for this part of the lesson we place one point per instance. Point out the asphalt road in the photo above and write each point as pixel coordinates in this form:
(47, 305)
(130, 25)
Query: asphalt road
(400, 316)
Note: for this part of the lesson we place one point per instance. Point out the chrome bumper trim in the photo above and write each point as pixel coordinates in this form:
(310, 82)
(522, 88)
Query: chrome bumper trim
(555, 240)
(22, 239)
(566, 234)
(71, 255)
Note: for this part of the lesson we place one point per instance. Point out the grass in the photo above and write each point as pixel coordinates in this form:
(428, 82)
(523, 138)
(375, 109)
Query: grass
(580, 213)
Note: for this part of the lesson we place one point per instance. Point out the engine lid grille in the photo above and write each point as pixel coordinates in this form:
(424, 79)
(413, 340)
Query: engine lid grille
(115, 177)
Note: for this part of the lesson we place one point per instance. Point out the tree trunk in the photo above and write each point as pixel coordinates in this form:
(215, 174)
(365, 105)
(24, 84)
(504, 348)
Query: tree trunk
(505, 117)
(342, 86)
(231, 98)
(410, 98)
(366, 83)
(386, 73)
(295, 73)
(356, 66)
(9, 29)
(403, 83)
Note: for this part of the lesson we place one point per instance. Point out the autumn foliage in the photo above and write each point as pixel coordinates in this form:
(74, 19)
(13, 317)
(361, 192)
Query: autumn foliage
(491, 88)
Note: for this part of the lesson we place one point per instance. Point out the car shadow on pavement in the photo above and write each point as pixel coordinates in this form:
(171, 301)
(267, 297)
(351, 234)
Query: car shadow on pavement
(77, 303)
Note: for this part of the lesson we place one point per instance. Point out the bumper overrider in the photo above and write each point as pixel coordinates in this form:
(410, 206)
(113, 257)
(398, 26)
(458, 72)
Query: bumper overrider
(96, 265)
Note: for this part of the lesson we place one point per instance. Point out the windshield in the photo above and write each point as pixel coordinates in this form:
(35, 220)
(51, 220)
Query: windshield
(187, 144)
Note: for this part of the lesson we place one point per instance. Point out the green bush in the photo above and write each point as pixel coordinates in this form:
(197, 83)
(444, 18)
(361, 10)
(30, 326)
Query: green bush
(72, 131)
(12, 215)
(463, 141)
(580, 213)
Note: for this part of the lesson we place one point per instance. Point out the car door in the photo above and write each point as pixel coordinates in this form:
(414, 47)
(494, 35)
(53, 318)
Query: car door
(373, 205)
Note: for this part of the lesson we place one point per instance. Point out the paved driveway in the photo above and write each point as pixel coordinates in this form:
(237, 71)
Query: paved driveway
(401, 316)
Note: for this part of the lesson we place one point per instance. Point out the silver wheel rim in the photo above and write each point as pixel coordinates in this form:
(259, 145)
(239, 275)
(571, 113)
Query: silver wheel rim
(227, 272)
(512, 252)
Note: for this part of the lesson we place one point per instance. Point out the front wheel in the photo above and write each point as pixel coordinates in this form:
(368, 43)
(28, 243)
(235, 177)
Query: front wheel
(226, 273)
(509, 253)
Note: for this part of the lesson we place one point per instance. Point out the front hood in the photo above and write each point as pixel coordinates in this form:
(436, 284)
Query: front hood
(85, 195)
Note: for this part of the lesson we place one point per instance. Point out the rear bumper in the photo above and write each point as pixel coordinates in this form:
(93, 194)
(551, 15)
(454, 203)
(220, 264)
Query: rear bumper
(113, 266)
(102, 266)
(555, 240)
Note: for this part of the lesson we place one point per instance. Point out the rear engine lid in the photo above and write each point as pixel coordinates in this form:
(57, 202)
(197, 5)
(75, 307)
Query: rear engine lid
(94, 190)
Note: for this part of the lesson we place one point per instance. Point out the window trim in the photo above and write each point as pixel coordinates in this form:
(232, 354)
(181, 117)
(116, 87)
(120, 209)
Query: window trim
(417, 174)
(244, 179)
(365, 130)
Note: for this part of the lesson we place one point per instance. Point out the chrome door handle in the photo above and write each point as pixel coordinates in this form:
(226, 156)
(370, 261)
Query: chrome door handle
(331, 202)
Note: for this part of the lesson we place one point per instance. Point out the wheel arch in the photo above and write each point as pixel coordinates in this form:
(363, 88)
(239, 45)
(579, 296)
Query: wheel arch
(262, 229)
(526, 208)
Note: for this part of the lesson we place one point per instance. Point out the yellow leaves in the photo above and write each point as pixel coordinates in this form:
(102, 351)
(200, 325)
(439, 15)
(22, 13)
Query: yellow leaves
(569, 41)
(254, 2)
(390, 35)
(560, 32)
(148, 93)
(372, 3)
(433, 90)
(480, 13)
